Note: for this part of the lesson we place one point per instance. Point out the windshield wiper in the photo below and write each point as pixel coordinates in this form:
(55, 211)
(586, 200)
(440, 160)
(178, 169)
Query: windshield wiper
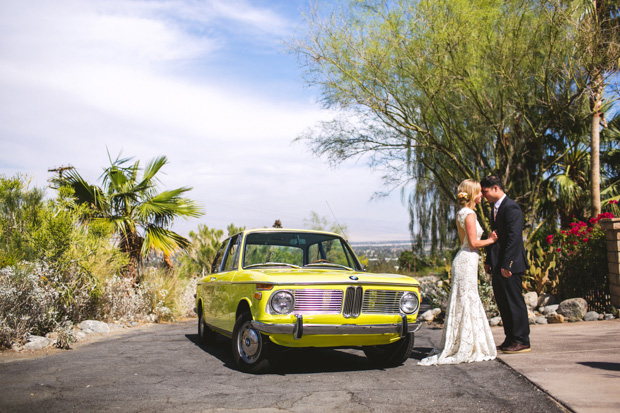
(328, 264)
(272, 264)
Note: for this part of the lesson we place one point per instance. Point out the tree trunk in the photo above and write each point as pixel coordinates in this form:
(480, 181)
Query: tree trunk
(595, 178)
(595, 172)
(131, 243)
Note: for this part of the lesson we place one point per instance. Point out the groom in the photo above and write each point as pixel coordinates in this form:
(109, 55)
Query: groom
(506, 261)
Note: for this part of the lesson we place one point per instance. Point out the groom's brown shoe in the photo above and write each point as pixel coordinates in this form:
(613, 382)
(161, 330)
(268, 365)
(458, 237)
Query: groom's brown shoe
(504, 345)
(517, 348)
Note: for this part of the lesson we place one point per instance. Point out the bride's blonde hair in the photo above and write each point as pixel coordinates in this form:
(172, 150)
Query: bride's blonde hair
(468, 190)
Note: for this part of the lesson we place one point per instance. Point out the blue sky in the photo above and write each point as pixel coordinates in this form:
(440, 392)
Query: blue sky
(208, 83)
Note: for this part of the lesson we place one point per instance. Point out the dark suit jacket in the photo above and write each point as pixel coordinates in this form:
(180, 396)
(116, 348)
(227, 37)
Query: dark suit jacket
(508, 252)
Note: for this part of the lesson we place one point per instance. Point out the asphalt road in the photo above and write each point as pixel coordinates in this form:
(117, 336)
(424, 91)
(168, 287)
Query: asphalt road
(163, 368)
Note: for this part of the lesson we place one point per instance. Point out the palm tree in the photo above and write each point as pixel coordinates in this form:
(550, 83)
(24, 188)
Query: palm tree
(139, 213)
(599, 42)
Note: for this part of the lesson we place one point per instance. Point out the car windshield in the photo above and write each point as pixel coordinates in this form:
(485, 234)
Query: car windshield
(298, 249)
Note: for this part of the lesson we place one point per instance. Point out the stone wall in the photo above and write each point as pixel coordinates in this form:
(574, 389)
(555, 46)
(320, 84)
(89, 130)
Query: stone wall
(612, 234)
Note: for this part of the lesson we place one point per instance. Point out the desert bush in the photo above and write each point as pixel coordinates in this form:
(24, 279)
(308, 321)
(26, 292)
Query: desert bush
(164, 291)
(27, 305)
(64, 334)
(121, 300)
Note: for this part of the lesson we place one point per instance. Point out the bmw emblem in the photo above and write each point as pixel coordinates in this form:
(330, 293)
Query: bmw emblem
(354, 278)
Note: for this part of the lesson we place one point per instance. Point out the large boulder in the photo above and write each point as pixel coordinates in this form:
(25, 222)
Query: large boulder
(573, 309)
(37, 343)
(555, 319)
(430, 315)
(531, 300)
(547, 299)
(591, 316)
(541, 320)
(551, 309)
(427, 316)
(94, 326)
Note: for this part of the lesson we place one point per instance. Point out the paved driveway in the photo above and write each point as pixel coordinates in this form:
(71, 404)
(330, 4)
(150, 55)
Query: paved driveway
(162, 368)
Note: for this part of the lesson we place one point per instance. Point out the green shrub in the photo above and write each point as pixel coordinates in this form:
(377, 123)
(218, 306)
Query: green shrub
(576, 261)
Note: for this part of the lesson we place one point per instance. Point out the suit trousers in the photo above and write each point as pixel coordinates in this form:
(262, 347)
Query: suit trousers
(512, 307)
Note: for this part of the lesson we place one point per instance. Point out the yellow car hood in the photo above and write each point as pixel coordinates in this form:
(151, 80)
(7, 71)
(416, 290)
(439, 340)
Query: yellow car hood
(321, 276)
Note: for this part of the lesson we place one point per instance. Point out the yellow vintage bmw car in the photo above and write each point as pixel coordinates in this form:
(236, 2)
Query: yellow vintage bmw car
(273, 288)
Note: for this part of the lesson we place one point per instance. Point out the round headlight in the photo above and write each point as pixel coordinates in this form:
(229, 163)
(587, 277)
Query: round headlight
(409, 303)
(282, 302)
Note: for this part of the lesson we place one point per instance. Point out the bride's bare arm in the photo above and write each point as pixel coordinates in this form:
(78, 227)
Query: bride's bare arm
(472, 235)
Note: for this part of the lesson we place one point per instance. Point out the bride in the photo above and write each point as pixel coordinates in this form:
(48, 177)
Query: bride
(466, 336)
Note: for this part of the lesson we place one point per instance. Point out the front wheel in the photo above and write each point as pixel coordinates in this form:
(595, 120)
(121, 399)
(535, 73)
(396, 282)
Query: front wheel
(251, 350)
(391, 355)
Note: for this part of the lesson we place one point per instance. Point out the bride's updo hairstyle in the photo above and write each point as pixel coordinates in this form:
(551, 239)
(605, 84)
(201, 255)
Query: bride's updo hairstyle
(467, 191)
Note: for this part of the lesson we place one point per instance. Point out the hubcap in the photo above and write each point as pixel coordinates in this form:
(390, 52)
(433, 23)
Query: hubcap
(249, 344)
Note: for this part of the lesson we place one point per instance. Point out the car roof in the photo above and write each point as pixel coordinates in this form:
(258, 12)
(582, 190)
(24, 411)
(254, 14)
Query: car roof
(305, 231)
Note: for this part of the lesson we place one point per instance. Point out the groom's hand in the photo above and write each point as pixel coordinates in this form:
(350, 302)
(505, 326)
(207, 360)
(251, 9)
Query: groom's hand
(506, 273)
(487, 269)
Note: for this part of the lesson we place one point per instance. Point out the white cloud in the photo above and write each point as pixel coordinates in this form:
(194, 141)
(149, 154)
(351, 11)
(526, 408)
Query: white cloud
(152, 78)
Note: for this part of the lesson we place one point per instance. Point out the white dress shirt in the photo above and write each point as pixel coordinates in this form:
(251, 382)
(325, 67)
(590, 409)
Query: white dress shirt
(496, 206)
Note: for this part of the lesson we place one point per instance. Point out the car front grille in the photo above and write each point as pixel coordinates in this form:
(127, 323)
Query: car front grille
(352, 302)
(318, 301)
(382, 302)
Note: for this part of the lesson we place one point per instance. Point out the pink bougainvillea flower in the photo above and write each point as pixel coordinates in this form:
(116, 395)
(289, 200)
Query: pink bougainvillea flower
(549, 239)
(613, 201)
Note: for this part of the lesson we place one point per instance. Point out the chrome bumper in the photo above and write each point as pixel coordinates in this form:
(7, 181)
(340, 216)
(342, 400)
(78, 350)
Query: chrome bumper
(299, 328)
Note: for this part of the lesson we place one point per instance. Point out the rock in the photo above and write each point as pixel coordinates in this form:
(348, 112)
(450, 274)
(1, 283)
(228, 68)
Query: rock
(541, 320)
(550, 309)
(37, 343)
(573, 309)
(436, 311)
(555, 319)
(608, 317)
(427, 316)
(495, 321)
(591, 316)
(547, 299)
(94, 326)
(531, 299)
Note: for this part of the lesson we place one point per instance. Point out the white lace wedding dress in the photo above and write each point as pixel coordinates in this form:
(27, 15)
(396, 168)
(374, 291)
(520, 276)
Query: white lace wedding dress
(466, 336)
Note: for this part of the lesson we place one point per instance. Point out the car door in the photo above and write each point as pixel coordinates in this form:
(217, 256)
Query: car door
(222, 305)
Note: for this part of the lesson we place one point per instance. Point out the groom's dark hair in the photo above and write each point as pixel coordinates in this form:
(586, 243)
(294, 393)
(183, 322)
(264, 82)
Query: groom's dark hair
(490, 181)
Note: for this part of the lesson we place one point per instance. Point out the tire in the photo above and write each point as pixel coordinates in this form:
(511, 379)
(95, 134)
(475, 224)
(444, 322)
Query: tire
(252, 351)
(205, 334)
(393, 354)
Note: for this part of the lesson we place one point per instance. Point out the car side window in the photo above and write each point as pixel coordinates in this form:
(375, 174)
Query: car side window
(217, 262)
(231, 257)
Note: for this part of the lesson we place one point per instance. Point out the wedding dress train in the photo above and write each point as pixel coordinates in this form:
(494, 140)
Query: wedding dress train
(466, 335)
